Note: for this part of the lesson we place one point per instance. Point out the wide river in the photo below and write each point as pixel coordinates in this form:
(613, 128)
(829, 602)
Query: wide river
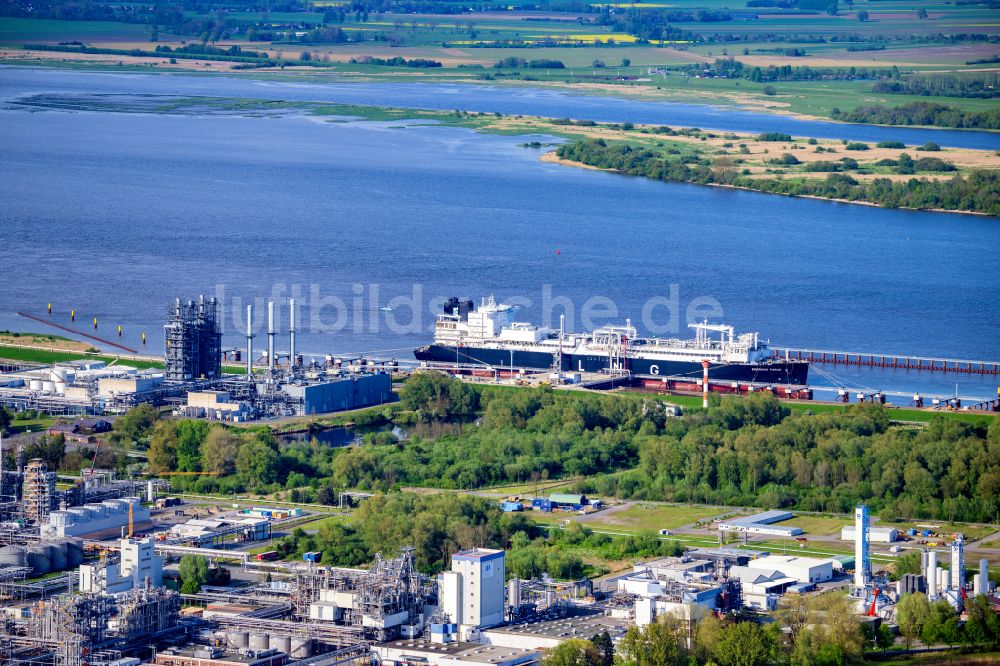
(116, 214)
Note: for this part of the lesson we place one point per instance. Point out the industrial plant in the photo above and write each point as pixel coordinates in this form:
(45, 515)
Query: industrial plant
(194, 380)
(107, 599)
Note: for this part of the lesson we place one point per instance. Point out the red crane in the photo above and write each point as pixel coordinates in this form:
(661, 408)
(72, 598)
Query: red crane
(871, 611)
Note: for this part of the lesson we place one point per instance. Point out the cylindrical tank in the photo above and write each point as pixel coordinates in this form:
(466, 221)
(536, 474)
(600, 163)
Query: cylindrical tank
(15, 556)
(48, 386)
(59, 373)
(60, 386)
(258, 641)
(301, 648)
(35, 384)
(39, 559)
(514, 593)
(238, 639)
(58, 555)
(74, 553)
(280, 643)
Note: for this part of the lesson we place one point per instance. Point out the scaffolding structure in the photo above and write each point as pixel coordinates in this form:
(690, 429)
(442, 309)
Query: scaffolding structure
(78, 628)
(39, 491)
(193, 335)
(390, 587)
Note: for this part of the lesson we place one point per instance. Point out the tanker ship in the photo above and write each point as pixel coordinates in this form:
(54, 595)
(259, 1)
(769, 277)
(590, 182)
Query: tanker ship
(488, 336)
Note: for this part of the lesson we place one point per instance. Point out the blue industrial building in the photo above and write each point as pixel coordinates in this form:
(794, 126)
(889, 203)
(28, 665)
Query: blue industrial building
(352, 392)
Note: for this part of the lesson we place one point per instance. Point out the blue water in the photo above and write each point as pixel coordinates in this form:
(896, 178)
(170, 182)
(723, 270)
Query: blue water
(484, 98)
(117, 214)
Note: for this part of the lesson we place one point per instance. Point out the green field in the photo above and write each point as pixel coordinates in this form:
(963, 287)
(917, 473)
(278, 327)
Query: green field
(17, 31)
(817, 524)
(655, 517)
(46, 357)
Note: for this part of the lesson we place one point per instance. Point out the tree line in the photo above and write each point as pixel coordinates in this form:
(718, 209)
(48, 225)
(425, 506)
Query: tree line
(978, 191)
(744, 451)
(982, 85)
(920, 113)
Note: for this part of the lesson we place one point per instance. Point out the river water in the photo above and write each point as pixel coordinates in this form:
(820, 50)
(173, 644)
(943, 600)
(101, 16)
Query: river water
(115, 214)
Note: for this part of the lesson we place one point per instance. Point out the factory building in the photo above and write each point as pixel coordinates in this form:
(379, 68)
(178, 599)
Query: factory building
(472, 593)
(204, 655)
(875, 534)
(138, 562)
(765, 578)
(545, 633)
(678, 569)
(352, 392)
(762, 523)
(89, 519)
(218, 405)
(203, 531)
(409, 652)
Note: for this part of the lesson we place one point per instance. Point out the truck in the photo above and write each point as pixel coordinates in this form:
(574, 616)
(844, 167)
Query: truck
(269, 556)
(313, 556)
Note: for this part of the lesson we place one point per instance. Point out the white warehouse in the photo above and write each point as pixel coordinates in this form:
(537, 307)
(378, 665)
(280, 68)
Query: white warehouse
(762, 523)
(876, 534)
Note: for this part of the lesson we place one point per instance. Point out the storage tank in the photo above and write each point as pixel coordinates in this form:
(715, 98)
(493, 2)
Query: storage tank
(39, 559)
(59, 373)
(60, 387)
(238, 639)
(301, 648)
(258, 641)
(280, 643)
(15, 556)
(58, 555)
(74, 552)
(35, 384)
(48, 386)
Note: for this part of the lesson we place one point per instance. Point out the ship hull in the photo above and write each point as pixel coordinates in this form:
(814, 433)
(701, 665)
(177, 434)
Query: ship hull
(774, 372)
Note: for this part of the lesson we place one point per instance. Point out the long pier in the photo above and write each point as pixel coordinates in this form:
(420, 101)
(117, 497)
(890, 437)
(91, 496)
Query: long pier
(902, 362)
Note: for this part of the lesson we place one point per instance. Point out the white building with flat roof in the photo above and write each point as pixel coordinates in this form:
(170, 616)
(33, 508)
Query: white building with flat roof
(875, 534)
(139, 561)
(472, 593)
(775, 567)
(762, 523)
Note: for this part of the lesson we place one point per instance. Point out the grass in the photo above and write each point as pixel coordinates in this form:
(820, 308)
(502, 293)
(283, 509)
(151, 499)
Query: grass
(642, 517)
(48, 357)
(34, 425)
(817, 524)
(16, 31)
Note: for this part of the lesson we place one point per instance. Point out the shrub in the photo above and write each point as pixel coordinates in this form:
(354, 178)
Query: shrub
(890, 144)
(856, 145)
(930, 147)
(774, 136)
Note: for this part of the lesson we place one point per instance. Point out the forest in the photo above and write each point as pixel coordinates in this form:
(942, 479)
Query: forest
(978, 191)
(743, 451)
(920, 113)
(984, 85)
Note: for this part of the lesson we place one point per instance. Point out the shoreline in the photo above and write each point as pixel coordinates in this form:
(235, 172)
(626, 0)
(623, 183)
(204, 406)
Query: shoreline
(551, 157)
(581, 89)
